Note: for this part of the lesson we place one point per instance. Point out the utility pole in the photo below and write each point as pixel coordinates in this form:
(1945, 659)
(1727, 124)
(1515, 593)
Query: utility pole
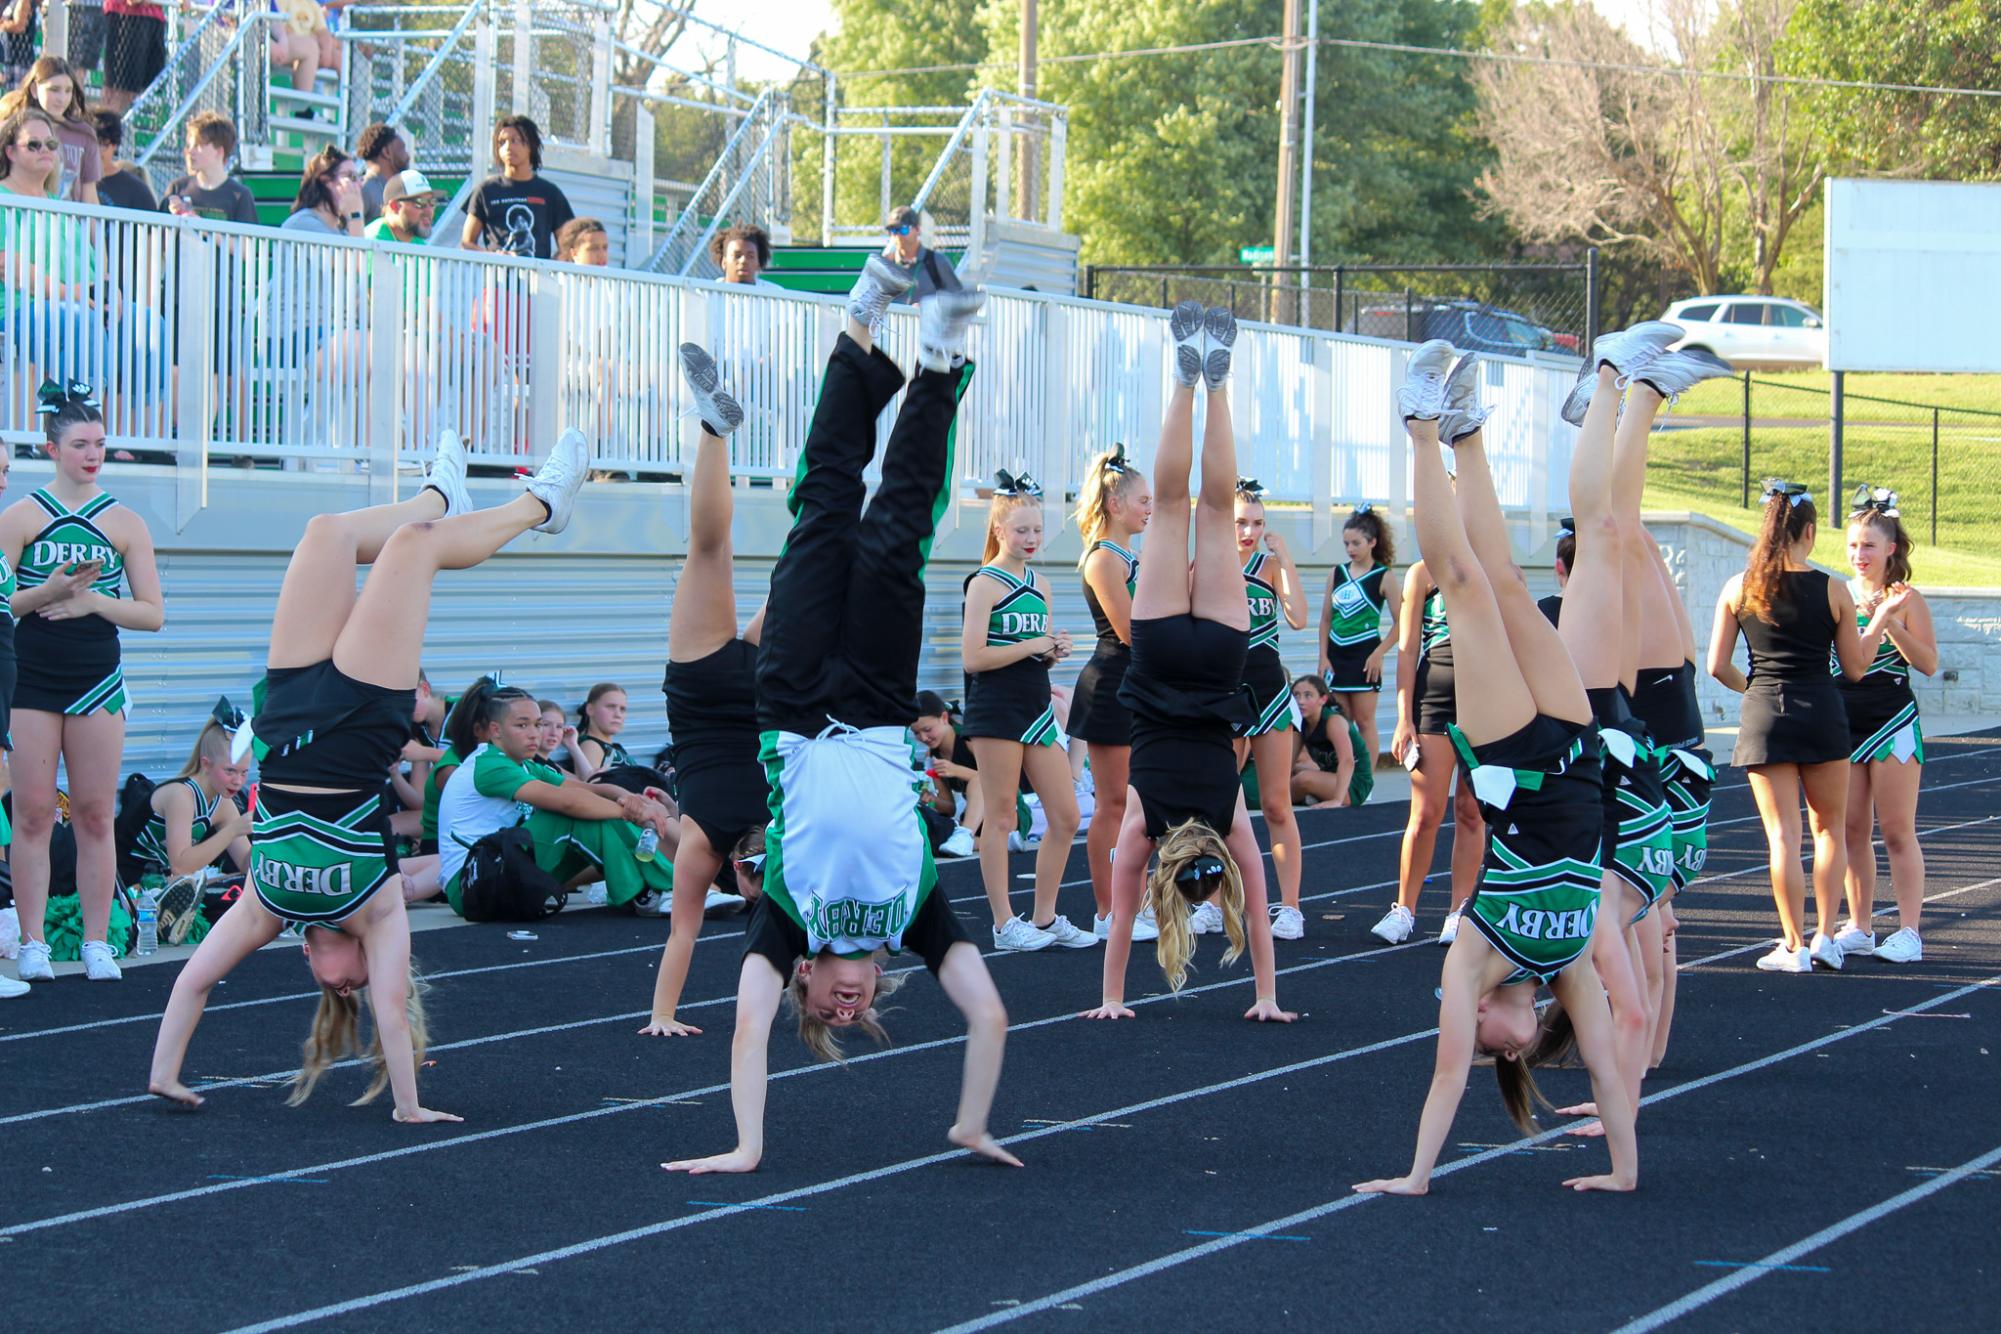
(1030, 157)
(1306, 159)
(1288, 151)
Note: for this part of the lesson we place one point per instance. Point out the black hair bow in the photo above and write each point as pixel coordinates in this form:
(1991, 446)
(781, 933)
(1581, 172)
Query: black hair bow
(1252, 487)
(1566, 525)
(1199, 870)
(1879, 498)
(1364, 508)
(1007, 484)
(1116, 460)
(227, 714)
(54, 396)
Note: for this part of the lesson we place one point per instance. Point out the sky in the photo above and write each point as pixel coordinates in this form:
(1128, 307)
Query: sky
(791, 25)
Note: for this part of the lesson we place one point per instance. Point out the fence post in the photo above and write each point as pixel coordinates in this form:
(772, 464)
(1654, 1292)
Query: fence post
(1409, 315)
(1059, 134)
(195, 411)
(1934, 476)
(1340, 282)
(1090, 282)
(640, 244)
(600, 135)
(982, 151)
(485, 62)
(524, 59)
(547, 366)
(384, 343)
(1591, 294)
(1837, 411)
(1745, 501)
(827, 162)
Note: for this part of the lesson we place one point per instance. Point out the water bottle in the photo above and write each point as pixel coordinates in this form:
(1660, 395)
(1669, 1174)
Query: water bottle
(649, 843)
(149, 922)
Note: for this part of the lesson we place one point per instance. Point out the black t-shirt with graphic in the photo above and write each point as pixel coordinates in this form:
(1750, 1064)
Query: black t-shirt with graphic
(521, 217)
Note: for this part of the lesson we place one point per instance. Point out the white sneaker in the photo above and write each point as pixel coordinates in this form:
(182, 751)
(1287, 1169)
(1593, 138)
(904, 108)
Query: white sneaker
(1463, 413)
(942, 321)
(879, 283)
(98, 963)
(719, 413)
(447, 474)
(1184, 326)
(1396, 926)
(1087, 801)
(1421, 396)
(650, 904)
(1825, 952)
(1287, 923)
(960, 844)
(560, 477)
(33, 963)
(1219, 329)
(1021, 934)
(1672, 374)
(9, 988)
(718, 900)
(1450, 931)
(1903, 946)
(1783, 960)
(1207, 919)
(1146, 926)
(1062, 931)
(596, 895)
(1854, 940)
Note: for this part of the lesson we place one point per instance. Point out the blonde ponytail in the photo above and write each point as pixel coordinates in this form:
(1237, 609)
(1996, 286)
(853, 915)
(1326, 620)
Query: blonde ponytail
(1105, 478)
(1173, 898)
(336, 1032)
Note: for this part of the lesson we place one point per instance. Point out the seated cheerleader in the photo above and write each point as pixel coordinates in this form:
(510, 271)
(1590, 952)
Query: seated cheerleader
(195, 822)
(711, 690)
(335, 708)
(580, 830)
(1525, 736)
(848, 873)
(1190, 633)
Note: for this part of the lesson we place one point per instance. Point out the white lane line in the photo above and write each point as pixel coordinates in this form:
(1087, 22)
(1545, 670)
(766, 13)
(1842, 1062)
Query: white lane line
(1855, 1222)
(734, 935)
(1292, 1222)
(1072, 1294)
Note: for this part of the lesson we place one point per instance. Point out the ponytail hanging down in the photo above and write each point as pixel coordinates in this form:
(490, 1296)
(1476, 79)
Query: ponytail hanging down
(1194, 864)
(1789, 514)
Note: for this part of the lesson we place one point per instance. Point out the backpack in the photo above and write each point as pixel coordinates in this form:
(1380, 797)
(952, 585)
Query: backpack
(135, 808)
(502, 883)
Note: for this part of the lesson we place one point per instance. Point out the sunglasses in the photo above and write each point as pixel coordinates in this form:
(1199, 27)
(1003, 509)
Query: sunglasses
(38, 145)
(903, 229)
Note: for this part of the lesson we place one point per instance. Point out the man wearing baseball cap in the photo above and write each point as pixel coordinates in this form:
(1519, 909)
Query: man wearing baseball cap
(409, 206)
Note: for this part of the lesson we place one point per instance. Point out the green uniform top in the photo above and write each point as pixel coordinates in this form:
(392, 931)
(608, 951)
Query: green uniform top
(1356, 606)
(1020, 614)
(70, 537)
(1131, 560)
(433, 789)
(615, 755)
(497, 774)
(1887, 668)
(1263, 597)
(151, 846)
(1432, 629)
(480, 799)
(6, 588)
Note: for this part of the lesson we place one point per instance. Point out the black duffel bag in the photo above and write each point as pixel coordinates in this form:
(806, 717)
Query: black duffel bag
(502, 883)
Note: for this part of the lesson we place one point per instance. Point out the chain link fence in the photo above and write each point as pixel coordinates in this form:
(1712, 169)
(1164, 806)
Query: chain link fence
(1508, 308)
(1727, 436)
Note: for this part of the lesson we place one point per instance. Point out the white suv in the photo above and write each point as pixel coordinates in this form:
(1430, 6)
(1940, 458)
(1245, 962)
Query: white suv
(1751, 331)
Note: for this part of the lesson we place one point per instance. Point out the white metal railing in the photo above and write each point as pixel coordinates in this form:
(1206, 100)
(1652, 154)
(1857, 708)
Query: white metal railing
(215, 341)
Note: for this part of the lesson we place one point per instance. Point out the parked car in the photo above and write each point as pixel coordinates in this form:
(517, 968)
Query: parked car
(1752, 331)
(1467, 325)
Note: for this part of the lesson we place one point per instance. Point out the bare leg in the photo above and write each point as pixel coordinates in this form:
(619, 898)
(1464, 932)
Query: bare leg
(1273, 751)
(1776, 789)
(1826, 787)
(318, 592)
(999, 766)
(1896, 787)
(1594, 600)
(703, 618)
(1430, 794)
(93, 752)
(38, 742)
(1860, 834)
(1469, 843)
(1217, 581)
(382, 643)
(1163, 583)
(696, 862)
(1109, 768)
(1049, 774)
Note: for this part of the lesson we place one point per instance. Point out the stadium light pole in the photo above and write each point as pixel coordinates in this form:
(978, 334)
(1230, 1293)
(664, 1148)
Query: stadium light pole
(1306, 152)
(1288, 151)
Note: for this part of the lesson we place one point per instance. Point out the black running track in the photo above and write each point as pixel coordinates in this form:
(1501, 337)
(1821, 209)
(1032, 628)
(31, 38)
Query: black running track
(1816, 1149)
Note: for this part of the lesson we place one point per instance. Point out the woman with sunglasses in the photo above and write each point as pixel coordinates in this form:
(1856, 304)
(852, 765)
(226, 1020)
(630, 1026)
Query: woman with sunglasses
(711, 689)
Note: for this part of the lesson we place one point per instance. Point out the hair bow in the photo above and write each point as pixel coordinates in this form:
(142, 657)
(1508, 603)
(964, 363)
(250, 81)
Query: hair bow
(1566, 525)
(1879, 498)
(1252, 487)
(54, 396)
(1792, 493)
(1364, 508)
(227, 714)
(1200, 869)
(1116, 460)
(753, 864)
(1007, 484)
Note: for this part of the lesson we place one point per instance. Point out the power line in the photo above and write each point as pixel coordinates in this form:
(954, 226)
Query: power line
(1277, 43)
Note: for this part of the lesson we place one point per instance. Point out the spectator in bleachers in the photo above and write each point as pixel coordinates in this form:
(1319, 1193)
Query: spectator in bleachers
(517, 212)
(119, 185)
(384, 154)
(907, 229)
(583, 241)
(135, 49)
(55, 89)
(20, 38)
(742, 252)
(409, 206)
(86, 35)
(208, 190)
(52, 270)
(302, 43)
(329, 198)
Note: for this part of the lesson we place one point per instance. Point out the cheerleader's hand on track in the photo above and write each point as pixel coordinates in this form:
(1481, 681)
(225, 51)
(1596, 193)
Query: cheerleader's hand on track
(669, 1028)
(1109, 1010)
(1267, 1012)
